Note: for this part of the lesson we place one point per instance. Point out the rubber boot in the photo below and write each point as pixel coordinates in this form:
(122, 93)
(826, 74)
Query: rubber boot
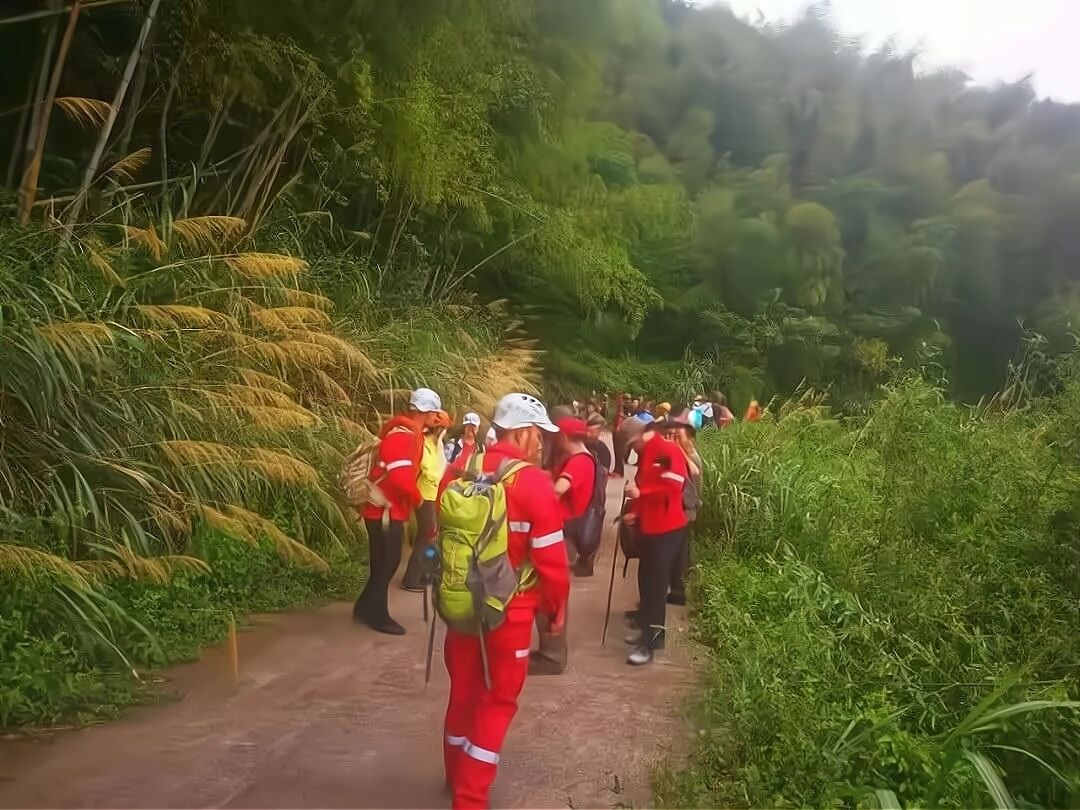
(552, 653)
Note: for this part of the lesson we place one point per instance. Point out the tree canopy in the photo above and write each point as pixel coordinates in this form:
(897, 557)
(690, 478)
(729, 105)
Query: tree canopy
(638, 179)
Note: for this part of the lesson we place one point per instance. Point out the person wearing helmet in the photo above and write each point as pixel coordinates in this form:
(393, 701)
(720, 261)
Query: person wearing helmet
(662, 411)
(655, 505)
(418, 572)
(395, 473)
(684, 434)
(465, 446)
(596, 444)
(551, 459)
(478, 716)
(574, 482)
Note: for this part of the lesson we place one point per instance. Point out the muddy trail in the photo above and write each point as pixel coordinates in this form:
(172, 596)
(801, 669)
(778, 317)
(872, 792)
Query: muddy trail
(328, 714)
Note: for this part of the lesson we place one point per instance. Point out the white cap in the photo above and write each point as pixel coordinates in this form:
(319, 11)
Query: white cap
(491, 437)
(425, 400)
(522, 410)
(471, 419)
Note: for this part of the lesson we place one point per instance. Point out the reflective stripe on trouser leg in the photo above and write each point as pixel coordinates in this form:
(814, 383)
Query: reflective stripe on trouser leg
(462, 655)
(493, 710)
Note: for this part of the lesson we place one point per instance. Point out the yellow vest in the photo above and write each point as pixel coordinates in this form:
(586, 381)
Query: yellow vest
(432, 467)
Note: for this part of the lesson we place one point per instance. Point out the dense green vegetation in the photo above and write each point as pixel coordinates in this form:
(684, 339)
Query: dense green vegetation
(232, 232)
(638, 178)
(891, 602)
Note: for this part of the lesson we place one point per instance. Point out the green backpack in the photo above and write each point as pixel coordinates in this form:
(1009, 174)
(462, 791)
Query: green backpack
(476, 580)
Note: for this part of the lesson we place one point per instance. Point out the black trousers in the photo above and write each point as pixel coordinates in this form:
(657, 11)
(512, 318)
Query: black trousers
(622, 450)
(417, 570)
(660, 558)
(384, 556)
(682, 567)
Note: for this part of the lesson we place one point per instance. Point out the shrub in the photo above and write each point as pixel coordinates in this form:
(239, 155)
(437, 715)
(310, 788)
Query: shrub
(873, 591)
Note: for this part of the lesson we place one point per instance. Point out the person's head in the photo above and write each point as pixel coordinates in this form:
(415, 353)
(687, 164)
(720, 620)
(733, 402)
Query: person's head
(635, 404)
(522, 420)
(572, 432)
(683, 430)
(470, 424)
(662, 410)
(699, 399)
(648, 407)
(596, 424)
(436, 422)
(423, 405)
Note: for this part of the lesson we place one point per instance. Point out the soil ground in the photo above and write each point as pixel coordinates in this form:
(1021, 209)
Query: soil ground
(328, 714)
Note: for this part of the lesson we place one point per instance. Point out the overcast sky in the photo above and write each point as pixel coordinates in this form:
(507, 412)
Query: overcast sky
(989, 39)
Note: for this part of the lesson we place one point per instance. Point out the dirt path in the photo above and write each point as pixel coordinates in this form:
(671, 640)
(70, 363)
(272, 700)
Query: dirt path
(332, 715)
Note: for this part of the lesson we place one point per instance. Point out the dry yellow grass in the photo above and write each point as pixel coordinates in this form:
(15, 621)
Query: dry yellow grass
(125, 169)
(250, 527)
(189, 453)
(208, 233)
(280, 467)
(279, 419)
(146, 238)
(345, 354)
(326, 389)
(91, 113)
(180, 316)
(257, 379)
(264, 265)
(302, 298)
(32, 564)
(77, 339)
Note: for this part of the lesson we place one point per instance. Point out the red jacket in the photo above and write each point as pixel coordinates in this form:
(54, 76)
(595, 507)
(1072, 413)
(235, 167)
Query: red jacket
(661, 475)
(399, 463)
(536, 532)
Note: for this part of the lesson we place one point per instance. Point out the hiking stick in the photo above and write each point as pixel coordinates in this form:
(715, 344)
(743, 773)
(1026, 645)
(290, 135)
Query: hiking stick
(484, 660)
(430, 644)
(611, 582)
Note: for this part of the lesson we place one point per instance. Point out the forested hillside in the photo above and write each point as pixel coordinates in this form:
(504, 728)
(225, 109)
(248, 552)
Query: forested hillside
(749, 206)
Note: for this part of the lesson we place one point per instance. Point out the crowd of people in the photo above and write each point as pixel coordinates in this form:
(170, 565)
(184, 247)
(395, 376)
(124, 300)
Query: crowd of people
(534, 487)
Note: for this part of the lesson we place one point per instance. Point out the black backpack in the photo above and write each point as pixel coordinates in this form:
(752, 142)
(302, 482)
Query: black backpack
(585, 531)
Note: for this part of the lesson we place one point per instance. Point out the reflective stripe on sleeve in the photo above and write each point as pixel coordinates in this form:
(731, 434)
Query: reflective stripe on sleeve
(546, 540)
(520, 526)
(522, 653)
(457, 742)
(482, 754)
(397, 465)
(673, 477)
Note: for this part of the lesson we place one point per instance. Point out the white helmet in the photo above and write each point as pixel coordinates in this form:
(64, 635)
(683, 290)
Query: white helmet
(425, 400)
(522, 410)
(471, 419)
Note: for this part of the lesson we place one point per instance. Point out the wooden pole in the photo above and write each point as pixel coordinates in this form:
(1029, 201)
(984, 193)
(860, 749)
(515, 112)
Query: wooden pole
(28, 187)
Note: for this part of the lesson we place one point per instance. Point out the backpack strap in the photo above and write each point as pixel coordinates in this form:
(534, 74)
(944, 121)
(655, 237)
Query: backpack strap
(508, 469)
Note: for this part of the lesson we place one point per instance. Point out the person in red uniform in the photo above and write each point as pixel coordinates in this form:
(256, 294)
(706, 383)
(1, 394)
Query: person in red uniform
(574, 481)
(477, 718)
(400, 447)
(465, 447)
(656, 506)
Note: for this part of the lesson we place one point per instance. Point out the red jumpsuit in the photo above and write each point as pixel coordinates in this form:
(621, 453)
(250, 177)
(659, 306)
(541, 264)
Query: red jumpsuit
(477, 718)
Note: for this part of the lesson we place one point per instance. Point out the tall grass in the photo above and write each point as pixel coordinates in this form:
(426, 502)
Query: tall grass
(173, 396)
(891, 603)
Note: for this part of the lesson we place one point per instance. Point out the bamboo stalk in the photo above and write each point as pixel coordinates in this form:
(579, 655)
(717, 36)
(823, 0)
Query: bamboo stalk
(114, 111)
(51, 12)
(28, 187)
